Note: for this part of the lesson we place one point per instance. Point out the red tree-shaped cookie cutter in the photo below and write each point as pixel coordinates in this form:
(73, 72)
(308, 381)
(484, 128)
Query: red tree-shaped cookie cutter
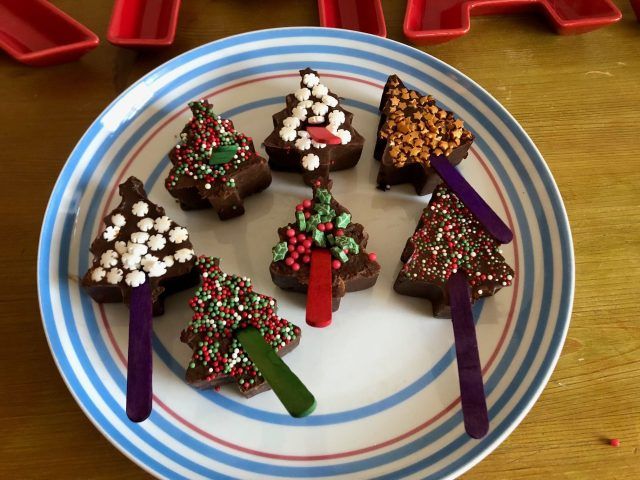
(361, 15)
(428, 22)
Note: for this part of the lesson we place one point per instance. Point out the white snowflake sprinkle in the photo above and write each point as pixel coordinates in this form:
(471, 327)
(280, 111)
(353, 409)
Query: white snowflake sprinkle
(329, 100)
(139, 237)
(156, 242)
(292, 122)
(310, 161)
(138, 249)
(306, 104)
(336, 117)
(135, 278)
(157, 269)
(303, 143)
(98, 274)
(121, 247)
(168, 261)
(162, 224)
(115, 276)
(178, 235)
(145, 224)
(300, 113)
(316, 119)
(130, 261)
(315, 144)
(310, 80)
(320, 108)
(183, 255)
(302, 94)
(109, 259)
(147, 261)
(344, 135)
(303, 134)
(288, 134)
(319, 91)
(110, 233)
(118, 220)
(140, 209)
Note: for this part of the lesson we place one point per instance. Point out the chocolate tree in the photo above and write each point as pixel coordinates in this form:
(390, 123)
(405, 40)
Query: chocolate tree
(413, 128)
(322, 224)
(224, 307)
(313, 134)
(214, 165)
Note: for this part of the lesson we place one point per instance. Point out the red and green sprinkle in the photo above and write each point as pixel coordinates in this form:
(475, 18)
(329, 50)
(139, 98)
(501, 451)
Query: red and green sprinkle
(222, 305)
(210, 149)
(450, 238)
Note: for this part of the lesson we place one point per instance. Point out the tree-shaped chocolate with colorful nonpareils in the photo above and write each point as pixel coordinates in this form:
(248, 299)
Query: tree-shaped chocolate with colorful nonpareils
(453, 259)
(413, 128)
(214, 165)
(322, 252)
(313, 134)
(237, 337)
(140, 257)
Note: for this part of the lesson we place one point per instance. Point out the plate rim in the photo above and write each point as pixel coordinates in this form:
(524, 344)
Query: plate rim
(561, 214)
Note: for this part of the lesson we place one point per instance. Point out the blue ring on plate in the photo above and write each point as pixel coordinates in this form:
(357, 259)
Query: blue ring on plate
(549, 184)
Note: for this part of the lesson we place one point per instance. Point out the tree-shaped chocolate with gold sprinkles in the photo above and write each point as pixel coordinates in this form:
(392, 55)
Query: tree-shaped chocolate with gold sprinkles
(412, 129)
(322, 224)
(313, 134)
(237, 337)
(214, 165)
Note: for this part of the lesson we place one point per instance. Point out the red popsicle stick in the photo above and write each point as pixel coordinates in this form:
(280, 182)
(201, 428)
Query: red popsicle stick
(139, 362)
(471, 199)
(322, 135)
(474, 404)
(319, 292)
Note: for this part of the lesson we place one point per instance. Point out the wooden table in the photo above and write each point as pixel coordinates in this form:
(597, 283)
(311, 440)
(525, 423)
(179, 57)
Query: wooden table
(579, 99)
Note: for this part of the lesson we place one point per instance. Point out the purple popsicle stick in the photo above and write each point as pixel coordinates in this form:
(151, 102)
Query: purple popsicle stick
(474, 404)
(139, 362)
(474, 202)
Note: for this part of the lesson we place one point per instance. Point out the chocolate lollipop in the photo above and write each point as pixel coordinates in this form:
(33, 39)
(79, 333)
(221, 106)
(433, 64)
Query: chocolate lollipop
(413, 128)
(313, 134)
(323, 253)
(237, 337)
(453, 259)
(140, 257)
(214, 165)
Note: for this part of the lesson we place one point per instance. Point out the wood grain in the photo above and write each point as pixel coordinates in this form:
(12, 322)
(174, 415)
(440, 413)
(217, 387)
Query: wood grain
(578, 97)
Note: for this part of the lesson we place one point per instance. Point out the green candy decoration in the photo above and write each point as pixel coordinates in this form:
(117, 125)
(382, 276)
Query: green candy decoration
(318, 238)
(323, 196)
(279, 251)
(348, 243)
(331, 240)
(302, 223)
(312, 222)
(343, 220)
(223, 154)
(339, 254)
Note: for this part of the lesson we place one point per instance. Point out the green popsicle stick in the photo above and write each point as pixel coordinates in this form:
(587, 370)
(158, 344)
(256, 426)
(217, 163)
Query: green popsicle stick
(295, 397)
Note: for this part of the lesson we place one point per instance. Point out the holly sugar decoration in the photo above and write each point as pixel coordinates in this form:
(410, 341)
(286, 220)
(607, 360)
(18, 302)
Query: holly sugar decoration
(313, 134)
(413, 128)
(324, 229)
(214, 165)
(235, 334)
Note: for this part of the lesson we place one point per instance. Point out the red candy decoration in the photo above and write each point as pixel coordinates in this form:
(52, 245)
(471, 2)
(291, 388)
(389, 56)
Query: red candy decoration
(322, 135)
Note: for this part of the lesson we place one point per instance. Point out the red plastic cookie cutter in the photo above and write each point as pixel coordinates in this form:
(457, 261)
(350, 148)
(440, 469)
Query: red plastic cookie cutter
(428, 22)
(361, 15)
(636, 8)
(37, 33)
(143, 23)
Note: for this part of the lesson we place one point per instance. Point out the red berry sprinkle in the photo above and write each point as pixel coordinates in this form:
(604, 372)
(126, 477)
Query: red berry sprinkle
(289, 261)
(329, 226)
(339, 232)
(299, 208)
(336, 264)
(306, 259)
(306, 203)
(614, 442)
(291, 232)
(295, 267)
(321, 227)
(373, 257)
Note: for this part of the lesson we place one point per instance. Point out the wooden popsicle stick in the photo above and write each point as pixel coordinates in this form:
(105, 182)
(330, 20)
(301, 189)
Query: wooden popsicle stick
(295, 397)
(139, 362)
(319, 298)
(471, 199)
(474, 404)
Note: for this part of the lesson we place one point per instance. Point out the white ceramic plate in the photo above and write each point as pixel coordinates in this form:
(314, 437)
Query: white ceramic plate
(384, 373)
